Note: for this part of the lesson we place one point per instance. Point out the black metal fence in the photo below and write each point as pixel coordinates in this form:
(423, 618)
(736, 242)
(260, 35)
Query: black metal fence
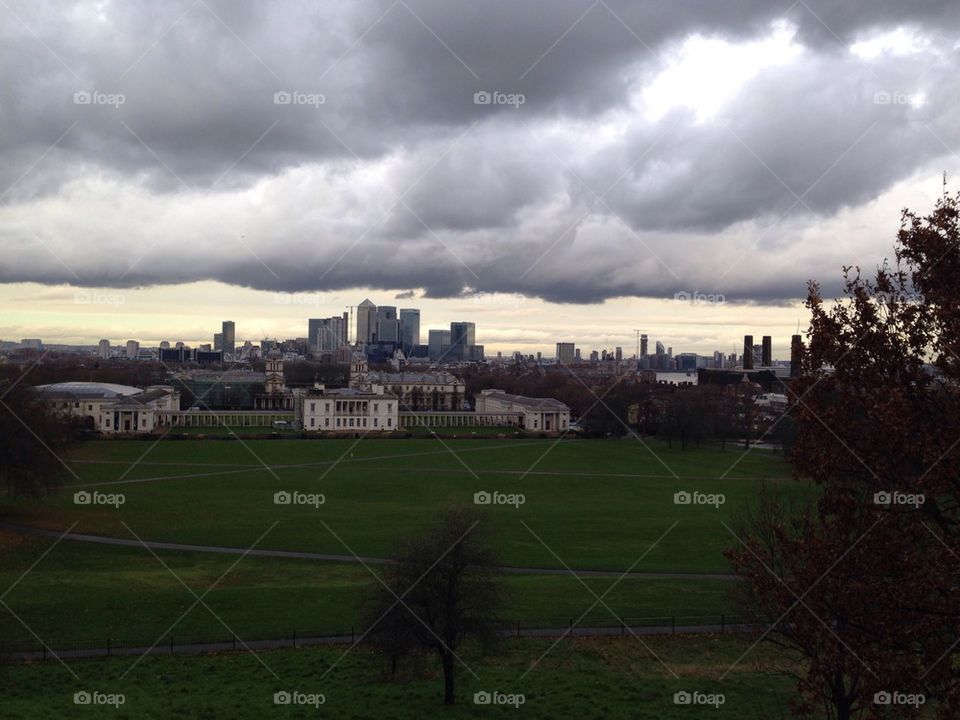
(214, 642)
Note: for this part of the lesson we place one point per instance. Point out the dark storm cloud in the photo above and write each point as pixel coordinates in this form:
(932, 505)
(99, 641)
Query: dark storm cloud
(382, 171)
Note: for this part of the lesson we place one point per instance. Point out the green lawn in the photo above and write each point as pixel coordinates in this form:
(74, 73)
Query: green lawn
(80, 592)
(593, 504)
(610, 678)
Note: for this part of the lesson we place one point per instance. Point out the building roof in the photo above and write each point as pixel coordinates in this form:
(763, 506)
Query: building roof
(411, 378)
(82, 389)
(532, 403)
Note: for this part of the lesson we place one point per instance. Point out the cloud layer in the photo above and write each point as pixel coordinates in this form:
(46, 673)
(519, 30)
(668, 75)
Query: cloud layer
(626, 149)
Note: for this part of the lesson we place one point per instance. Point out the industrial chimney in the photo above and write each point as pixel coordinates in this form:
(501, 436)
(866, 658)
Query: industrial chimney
(748, 352)
(796, 355)
(767, 360)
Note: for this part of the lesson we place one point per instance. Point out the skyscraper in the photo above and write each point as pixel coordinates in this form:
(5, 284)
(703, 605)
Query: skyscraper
(326, 334)
(463, 336)
(409, 328)
(104, 349)
(566, 353)
(133, 349)
(366, 321)
(438, 343)
(643, 346)
(388, 326)
(228, 330)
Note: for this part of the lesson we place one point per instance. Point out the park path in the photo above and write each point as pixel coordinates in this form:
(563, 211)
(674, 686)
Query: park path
(238, 644)
(329, 557)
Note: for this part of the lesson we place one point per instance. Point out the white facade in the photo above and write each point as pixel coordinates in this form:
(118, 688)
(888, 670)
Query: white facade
(540, 414)
(347, 409)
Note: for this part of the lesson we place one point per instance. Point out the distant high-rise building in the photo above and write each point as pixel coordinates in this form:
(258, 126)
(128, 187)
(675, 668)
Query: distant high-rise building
(326, 334)
(796, 355)
(388, 325)
(438, 344)
(643, 346)
(366, 321)
(576, 354)
(594, 356)
(748, 352)
(661, 350)
(618, 353)
(229, 332)
(409, 328)
(218, 341)
(104, 349)
(766, 357)
(32, 343)
(133, 349)
(164, 344)
(463, 336)
(566, 352)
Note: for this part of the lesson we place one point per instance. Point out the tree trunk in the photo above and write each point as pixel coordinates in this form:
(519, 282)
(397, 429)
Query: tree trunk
(448, 696)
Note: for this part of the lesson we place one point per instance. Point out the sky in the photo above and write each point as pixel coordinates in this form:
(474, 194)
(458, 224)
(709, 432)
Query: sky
(571, 170)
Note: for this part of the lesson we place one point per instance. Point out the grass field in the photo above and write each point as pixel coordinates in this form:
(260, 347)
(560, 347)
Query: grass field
(588, 504)
(610, 678)
(81, 592)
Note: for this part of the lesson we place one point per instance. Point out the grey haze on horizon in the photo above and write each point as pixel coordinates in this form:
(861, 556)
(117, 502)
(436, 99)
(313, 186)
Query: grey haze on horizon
(629, 169)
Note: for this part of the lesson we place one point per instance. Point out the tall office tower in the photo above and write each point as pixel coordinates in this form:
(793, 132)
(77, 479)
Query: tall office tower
(133, 349)
(409, 328)
(330, 334)
(718, 360)
(766, 358)
(218, 341)
(313, 333)
(661, 350)
(619, 353)
(796, 355)
(388, 326)
(566, 353)
(164, 344)
(366, 321)
(438, 344)
(229, 339)
(643, 346)
(104, 349)
(748, 352)
(576, 354)
(463, 336)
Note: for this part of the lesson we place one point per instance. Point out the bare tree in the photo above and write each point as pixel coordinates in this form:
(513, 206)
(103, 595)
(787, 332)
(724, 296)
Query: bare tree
(443, 589)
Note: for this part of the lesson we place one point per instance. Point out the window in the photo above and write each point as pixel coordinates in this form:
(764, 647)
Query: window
(389, 422)
(76, 404)
(313, 407)
(389, 407)
(312, 421)
(376, 407)
(364, 422)
(351, 422)
(376, 422)
(338, 422)
(89, 407)
(326, 407)
(326, 422)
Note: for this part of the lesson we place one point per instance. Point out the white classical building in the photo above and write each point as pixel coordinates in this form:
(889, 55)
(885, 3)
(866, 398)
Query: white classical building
(112, 408)
(540, 414)
(349, 409)
(436, 390)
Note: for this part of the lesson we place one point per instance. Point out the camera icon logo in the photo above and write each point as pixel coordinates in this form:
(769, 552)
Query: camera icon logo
(682, 498)
(482, 97)
(82, 698)
(82, 497)
(482, 698)
(882, 98)
(82, 97)
(282, 98)
(482, 498)
(682, 698)
(282, 498)
(282, 698)
(882, 498)
(682, 296)
(882, 698)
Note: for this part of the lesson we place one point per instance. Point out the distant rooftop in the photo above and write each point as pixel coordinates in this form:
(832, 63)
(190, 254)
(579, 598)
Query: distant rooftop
(533, 403)
(87, 389)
